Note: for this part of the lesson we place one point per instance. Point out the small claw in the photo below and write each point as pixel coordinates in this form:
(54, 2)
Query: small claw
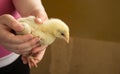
(34, 64)
(29, 63)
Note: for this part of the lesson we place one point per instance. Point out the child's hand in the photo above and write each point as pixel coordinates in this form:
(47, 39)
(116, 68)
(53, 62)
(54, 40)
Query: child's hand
(20, 44)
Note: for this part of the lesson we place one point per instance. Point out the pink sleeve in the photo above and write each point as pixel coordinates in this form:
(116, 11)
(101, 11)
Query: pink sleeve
(7, 7)
(3, 52)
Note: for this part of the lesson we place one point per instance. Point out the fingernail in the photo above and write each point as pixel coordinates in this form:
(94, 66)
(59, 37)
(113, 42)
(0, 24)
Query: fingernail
(30, 36)
(43, 48)
(37, 39)
(20, 27)
(39, 20)
(24, 62)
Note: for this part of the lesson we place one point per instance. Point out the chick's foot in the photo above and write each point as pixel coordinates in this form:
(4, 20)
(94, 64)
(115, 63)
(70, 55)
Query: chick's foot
(32, 61)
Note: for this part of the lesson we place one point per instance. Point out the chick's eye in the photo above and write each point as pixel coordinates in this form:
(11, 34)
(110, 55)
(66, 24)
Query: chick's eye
(62, 34)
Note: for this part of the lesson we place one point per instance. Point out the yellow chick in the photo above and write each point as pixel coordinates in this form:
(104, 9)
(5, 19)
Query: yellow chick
(47, 32)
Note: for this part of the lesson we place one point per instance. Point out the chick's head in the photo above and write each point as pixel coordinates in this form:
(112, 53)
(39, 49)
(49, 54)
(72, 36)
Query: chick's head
(60, 29)
(63, 34)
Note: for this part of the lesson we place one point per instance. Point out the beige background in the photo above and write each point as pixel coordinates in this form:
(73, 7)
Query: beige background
(94, 46)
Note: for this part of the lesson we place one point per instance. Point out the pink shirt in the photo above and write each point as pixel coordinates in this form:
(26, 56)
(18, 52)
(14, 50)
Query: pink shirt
(7, 7)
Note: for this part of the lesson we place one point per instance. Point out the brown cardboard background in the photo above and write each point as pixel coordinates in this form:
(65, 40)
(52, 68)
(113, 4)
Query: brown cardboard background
(95, 38)
(98, 19)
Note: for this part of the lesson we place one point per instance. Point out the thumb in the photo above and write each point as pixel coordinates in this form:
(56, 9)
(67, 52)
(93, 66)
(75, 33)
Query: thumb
(40, 16)
(24, 59)
(11, 22)
(38, 20)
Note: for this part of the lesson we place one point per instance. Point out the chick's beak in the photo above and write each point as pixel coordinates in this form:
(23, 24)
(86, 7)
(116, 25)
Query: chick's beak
(67, 39)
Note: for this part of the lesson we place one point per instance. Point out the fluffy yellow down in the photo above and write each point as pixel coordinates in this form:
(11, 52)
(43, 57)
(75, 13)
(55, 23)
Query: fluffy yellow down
(47, 32)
